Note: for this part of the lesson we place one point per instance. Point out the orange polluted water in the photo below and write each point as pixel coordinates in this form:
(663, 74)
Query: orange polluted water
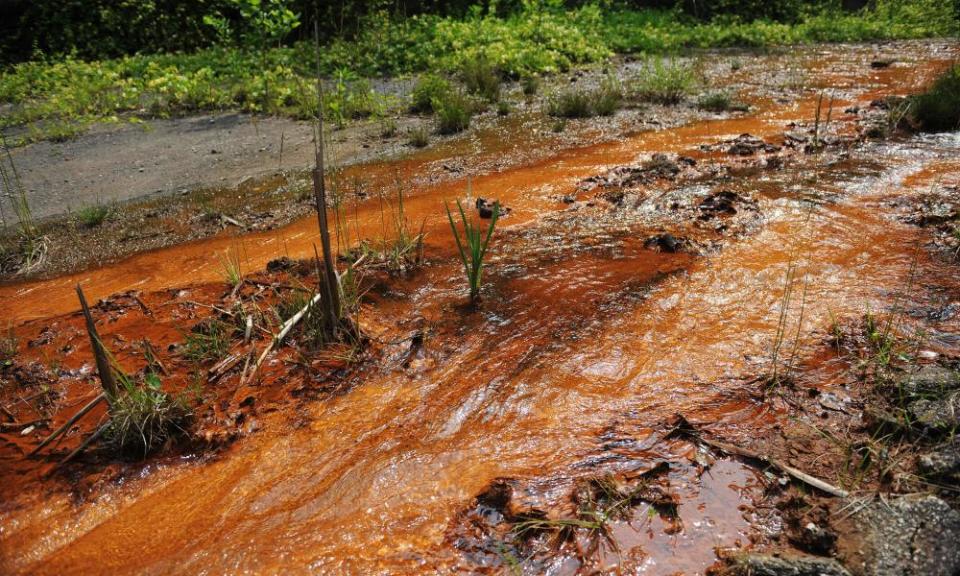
(373, 480)
(530, 190)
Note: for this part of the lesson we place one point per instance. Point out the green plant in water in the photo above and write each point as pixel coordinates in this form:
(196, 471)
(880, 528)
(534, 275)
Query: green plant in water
(143, 416)
(473, 247)
(938, 109)
(230, 267)
(8, 347)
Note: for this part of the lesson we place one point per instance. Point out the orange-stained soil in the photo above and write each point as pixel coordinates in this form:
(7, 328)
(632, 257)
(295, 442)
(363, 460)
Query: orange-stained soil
(589, 341)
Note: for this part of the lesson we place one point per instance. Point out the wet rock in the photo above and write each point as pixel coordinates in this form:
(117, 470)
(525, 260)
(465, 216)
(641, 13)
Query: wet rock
(785, 565)
(879, 64)
(909, 536)
(938, 413)
(281, 264)
(748, 145)
(928, 381)
(657, 167)
(719, 203)
(943, 463)
(663, 242)
(486, 207)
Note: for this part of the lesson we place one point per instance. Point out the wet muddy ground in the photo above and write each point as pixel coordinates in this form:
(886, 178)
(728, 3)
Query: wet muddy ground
(672, 321)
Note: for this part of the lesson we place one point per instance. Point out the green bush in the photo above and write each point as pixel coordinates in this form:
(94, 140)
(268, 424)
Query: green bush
(428, 88)
(938, 109)
(570, 103)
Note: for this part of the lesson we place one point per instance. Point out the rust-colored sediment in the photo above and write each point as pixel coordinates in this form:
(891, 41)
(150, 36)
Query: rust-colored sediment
(371, 483)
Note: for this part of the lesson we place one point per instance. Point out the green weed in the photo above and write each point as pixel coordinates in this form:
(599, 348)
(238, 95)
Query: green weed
(570, 103)
(938, 109)
(230, 268)
(473, 247)
(530, 84)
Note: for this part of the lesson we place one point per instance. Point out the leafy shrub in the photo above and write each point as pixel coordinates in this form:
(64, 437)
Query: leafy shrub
(428, 88)
(664, 81)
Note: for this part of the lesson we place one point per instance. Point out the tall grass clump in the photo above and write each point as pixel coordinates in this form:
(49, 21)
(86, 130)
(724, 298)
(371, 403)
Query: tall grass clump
(28, 248)
(938, 109)
(230, 267)
(143, 417)
(208, 341)
(604, 100)
(664, 81)
(454, 112)
(481, 78)
(473, 247)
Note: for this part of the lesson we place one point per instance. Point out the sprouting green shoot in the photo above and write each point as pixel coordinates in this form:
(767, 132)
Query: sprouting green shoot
(473, 247)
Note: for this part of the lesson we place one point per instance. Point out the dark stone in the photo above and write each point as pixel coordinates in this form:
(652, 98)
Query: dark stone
(943, 463)
(719, 203)
(928, 381)
(485, 208)
(662, 242)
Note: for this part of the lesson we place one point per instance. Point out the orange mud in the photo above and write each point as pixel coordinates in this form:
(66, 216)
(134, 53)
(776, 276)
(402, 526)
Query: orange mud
(522, 388)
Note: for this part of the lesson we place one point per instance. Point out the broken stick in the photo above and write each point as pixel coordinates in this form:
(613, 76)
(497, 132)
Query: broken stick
(284, 330)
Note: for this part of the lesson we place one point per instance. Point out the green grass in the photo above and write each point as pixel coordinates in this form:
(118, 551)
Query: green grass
(720, 102)
(9, 343)
(93, 216)
(143, 416)
(604, 100)
(208, 341)
(418, 137)
(481, 78)
(473, 247)
(230, 267)
(938, 109)
(454, 113)
(664, 81)
(62, 95)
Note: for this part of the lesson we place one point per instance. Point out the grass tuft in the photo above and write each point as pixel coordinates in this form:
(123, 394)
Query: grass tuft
(93, 216)
(208, 341)
(481, 78)
(454, 113)
(938, 109)
(664, 81)
(143, 416)
(418, 137)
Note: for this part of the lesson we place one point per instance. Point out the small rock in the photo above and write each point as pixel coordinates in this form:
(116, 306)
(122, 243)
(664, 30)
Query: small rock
(927, 355)
(785, 565)
(662, 242)
(28, 430)
(909, 536)
(878, 64)
(485, 208)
